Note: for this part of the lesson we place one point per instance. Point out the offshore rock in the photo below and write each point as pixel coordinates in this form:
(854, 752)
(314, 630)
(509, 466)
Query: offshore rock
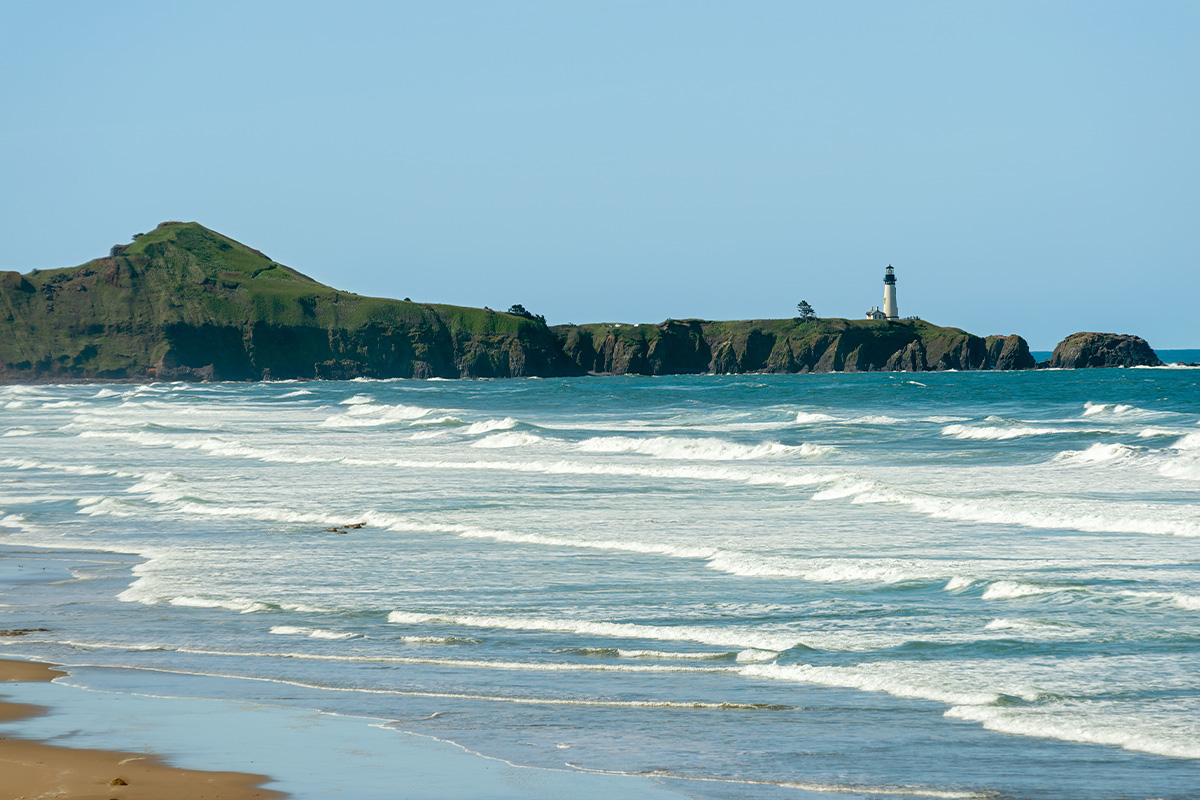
(1009, 352)
(1080, 350)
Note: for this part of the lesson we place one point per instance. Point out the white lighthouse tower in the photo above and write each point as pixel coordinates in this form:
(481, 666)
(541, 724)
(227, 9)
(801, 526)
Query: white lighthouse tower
(889, 294)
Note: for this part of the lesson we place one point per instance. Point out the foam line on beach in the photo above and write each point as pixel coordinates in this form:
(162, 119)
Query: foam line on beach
(698, 705)
(818, 788)
(488, 664)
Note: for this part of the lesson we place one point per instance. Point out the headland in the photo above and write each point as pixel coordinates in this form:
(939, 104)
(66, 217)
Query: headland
(183, 302)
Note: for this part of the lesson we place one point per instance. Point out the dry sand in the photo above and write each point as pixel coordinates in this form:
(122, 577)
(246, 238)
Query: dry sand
(34, 770)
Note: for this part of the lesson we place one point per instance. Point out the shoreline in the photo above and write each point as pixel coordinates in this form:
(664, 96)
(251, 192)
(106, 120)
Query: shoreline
(169, 740)
(32, 767)
(304, 753)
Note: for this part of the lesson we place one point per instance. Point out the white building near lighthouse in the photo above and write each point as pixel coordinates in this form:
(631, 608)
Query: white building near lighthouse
(890, 310)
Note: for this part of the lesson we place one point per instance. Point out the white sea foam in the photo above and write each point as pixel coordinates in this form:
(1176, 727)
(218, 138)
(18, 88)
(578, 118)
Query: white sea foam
(297, 393)
(21, 431)
(368, 415)
(1183, 459)
(743, 564)
(1074, 725)
(724, 637)
(208, 444)
(698, 473)
(70, 469)
(1054, 513)
(810, 417)
(312, 633)
(998, 432)
(1099, 453)
(106, 507)
(874, 677)
(849, 570)
(463, 663)
(13, 521)
(106, 393)
(1153, 432)
(1012, 590)
(1091, 409)
(662, 655)
(1189, 442)
(1028, 625)
(692, 449)
(443, 420)
(487, 426)
(507, 439)
(239, 605)
(958, 583)
(358, 399)
(1188, 602)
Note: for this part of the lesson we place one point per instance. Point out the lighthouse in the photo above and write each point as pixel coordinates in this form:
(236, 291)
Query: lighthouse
(889, 294)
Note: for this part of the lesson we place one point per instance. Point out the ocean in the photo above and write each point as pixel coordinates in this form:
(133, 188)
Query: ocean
(889, 584)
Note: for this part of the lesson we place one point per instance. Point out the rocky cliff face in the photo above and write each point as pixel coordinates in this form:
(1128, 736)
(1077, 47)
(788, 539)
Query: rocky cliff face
(1009, 352)
(1085, 349)
(186, 303)
(786, 346)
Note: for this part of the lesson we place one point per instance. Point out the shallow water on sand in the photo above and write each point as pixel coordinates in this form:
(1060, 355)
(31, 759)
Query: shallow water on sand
(945, 584)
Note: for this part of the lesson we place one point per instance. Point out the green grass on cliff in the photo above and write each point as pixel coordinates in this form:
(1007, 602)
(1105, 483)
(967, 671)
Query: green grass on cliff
(101, 314)
(184, 271)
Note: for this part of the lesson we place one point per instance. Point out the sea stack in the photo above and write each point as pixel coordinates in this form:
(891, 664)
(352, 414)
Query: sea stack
(1087, 349)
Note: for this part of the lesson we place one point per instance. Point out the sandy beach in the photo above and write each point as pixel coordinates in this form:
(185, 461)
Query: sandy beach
(33, 769)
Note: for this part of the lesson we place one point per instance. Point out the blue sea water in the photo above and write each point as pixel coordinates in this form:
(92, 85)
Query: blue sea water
(934, 584)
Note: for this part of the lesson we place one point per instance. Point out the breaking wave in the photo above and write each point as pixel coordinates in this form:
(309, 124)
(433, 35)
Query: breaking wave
(369, 414)
(507, 439)
(1098, 453)
(722, 637)
(997, 432)
(693, 449)
(487, 426)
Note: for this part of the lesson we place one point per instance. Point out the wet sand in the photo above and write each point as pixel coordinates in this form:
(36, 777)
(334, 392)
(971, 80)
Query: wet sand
(34, 769)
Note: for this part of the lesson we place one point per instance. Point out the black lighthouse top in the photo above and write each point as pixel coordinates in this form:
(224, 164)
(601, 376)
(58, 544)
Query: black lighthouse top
(890, 277)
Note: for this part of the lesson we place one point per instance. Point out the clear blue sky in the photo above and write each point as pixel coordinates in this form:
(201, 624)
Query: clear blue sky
(1028, 167)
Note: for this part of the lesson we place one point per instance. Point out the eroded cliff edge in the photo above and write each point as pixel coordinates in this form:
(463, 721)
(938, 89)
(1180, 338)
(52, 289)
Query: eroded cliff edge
(786, 346)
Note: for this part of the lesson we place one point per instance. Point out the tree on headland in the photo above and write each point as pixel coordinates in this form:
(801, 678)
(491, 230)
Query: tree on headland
(518, 310)
(805, 310)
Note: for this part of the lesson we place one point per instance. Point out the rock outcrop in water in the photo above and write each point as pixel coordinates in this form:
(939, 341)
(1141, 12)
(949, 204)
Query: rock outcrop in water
(1009, 352)
(1084, 349)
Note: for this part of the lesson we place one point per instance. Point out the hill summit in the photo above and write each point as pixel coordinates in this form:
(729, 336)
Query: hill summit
(185, 302)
